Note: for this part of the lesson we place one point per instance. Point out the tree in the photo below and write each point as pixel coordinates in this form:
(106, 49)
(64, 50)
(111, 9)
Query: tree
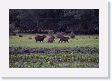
(80, 21)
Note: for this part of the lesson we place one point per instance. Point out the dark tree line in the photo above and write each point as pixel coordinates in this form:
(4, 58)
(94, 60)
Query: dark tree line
(79, 21)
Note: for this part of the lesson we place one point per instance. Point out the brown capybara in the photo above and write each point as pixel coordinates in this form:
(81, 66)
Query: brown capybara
(51, 39)
(64, 39)
(40, 38)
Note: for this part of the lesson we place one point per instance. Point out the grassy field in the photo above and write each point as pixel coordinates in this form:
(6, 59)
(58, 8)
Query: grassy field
(81, 41)
(80, 52)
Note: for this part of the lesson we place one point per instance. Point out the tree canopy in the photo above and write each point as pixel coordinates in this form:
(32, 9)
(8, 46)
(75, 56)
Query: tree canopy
(79, 21)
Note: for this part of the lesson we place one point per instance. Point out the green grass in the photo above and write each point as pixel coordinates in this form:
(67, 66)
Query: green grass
(85, 54)
(80, 41)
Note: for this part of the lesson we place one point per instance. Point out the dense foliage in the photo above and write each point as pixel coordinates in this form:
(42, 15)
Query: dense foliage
(79, 21)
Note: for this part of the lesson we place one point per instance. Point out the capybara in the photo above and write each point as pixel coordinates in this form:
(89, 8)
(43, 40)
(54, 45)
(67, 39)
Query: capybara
(40, 38)
(64, 39)
(51, 39)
